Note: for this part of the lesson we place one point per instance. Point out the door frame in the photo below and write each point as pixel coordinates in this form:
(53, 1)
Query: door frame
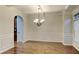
(22, 27)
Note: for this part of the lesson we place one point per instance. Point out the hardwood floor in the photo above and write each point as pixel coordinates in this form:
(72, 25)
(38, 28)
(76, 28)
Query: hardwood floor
(34, 47)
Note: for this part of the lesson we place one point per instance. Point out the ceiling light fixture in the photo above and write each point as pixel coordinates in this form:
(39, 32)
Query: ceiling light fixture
(40, 19)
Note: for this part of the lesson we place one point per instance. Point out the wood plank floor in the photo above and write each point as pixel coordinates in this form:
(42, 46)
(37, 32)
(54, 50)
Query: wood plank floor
(34, 47)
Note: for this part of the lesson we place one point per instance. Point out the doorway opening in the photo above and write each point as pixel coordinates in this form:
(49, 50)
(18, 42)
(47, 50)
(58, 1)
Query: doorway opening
(18, 29)
(15, 29)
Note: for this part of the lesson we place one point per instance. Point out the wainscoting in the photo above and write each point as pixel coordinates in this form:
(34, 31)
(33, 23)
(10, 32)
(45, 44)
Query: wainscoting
(6, 42)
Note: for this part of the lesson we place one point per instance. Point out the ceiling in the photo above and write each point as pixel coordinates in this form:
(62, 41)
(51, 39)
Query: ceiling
(33, 8)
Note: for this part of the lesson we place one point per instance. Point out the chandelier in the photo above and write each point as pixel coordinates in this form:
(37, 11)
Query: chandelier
(40, 17)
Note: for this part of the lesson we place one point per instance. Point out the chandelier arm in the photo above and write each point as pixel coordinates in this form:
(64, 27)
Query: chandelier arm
(40, 16)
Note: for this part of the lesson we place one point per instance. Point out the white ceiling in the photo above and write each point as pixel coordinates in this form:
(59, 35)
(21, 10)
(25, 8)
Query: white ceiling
(45, 8)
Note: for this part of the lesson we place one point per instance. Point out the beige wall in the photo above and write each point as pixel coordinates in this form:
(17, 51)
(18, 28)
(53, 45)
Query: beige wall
(51, 30)
(7, 15)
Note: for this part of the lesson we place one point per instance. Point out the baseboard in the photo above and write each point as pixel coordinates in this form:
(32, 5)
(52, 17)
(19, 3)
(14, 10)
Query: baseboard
(67, 44)
(76, 45)
(4, 50)
(43, 40)
(25, 41)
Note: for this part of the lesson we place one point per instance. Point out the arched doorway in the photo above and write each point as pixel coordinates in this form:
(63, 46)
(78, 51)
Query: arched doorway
(15, 29)
(18, 29)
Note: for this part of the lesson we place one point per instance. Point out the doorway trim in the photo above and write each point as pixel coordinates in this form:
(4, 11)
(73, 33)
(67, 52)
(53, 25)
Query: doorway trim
(15, 25)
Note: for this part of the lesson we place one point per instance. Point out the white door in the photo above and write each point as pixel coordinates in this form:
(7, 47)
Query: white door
(19, 29)
(76, 32)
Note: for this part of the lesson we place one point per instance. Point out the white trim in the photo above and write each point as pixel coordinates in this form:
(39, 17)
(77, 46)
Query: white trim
(66, 7)
(43, 40)
(68, 44)
(76, 45)
(25, 41)
(6, 49)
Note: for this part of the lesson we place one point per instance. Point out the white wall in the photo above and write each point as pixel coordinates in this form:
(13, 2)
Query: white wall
(51, 30)
(67, 22)
(7, 15)
(75, 32)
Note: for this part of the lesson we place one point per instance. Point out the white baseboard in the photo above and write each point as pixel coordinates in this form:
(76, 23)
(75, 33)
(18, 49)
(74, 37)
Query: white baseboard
(6, 49)
(68, 44)
(43, 40)
(25, 41)
(76, 45)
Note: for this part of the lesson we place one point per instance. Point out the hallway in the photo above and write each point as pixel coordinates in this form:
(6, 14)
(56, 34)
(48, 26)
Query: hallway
(36, 47)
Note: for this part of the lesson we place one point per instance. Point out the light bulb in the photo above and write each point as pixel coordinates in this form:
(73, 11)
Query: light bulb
(36, 20)
(42, 20)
